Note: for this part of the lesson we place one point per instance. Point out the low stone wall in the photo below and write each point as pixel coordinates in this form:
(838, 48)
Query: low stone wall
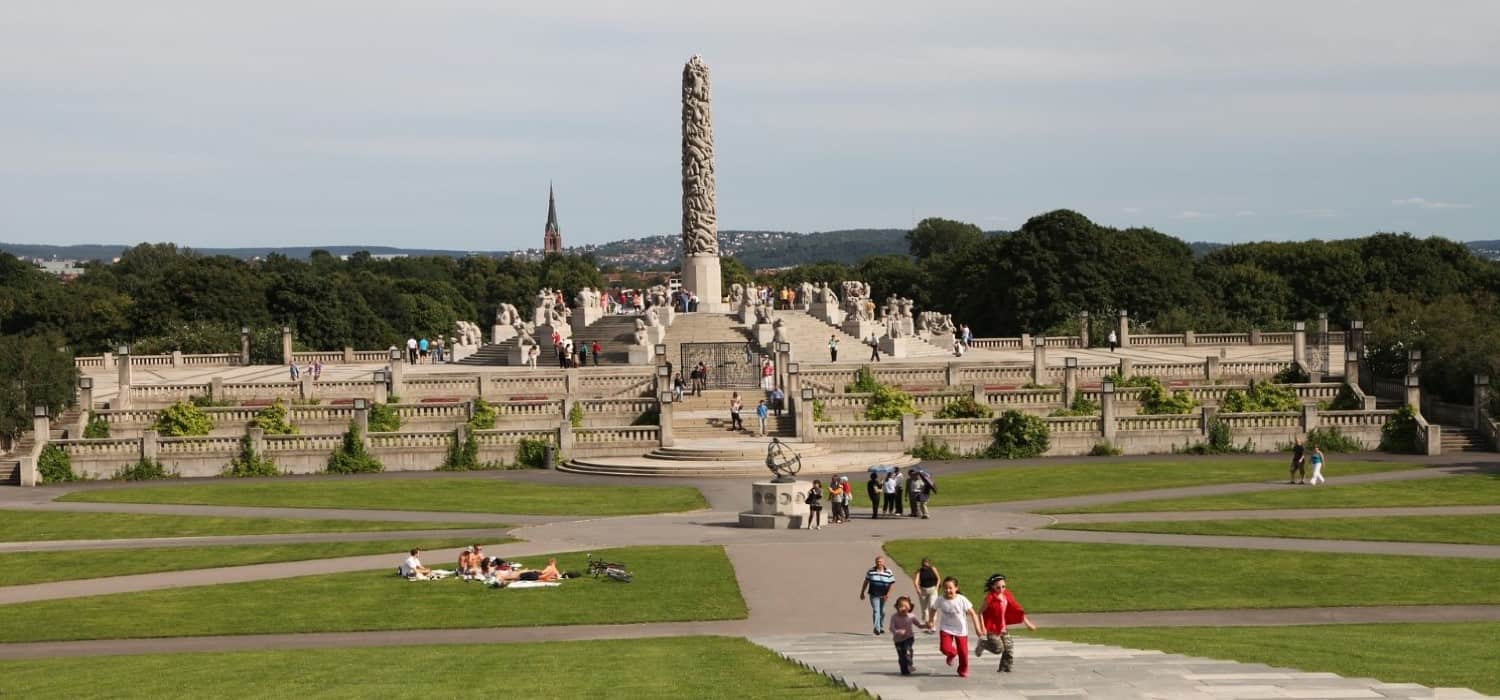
(835, 378)
(1042, 402)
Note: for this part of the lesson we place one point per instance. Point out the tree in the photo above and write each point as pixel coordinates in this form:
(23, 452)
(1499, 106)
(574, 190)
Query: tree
(732, 271)
(935, 236)
(34, 371)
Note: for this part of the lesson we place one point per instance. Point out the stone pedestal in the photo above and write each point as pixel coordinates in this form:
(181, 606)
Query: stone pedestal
(583, 317)
(862, 329)
(500, 333)
(700, 275)
(774, 505)
(639, 354)
(827, 312)
(765, 335)
(655, 335)
(515, 356)
(896, 348)
(942, 340)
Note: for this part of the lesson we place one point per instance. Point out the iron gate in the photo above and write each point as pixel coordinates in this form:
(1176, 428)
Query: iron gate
(730, 365)
(1318, 352)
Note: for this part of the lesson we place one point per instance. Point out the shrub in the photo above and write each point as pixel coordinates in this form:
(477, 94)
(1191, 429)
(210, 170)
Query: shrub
(965, 407)
(143, 470)
(351, 457)
(272, 419)
(1330, 439)
(1399, 434)
(1126, 382)
(1081, 406)
(820, 412)
(651, 416)
(532, 452)
(931, 450)
(1018, 435)
(1293, 374)
(97, 427)
(1220, 441)
(247, 463)
(181, 419)
(1157, 401)
(1346, 400)
(462, 456)
(209, 402)
(384, 419)
(575, 415)
(1104, 449)
(54, 465)
(484, 416)
(1261, 397)
(864, 381)
(890, 403)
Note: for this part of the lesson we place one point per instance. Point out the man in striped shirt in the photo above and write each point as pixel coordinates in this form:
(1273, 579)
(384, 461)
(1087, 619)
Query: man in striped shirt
(877, 583)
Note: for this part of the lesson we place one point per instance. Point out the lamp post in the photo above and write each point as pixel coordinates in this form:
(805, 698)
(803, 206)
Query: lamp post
(245, 346)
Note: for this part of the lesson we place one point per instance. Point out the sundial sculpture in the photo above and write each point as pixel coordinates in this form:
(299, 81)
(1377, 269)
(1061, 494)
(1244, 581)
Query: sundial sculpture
(783, 462)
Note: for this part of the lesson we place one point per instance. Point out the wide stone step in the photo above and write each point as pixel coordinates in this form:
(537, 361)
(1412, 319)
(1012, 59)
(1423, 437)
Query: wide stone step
(830, 463)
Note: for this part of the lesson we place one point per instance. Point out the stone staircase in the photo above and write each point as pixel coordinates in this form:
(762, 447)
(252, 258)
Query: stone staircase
(614, 333)
(809, 339)
(703, 327)
(1460, 439)
(63, 427)
(734, 458)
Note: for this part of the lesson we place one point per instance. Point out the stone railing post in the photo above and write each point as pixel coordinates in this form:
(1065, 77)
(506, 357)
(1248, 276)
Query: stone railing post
(1039, 361)
(1351, 367)
(1309, 419)
(148, 445)
(41, 425)
(1254, 336)
(1127, 367)
(1025, 340)
(1299, 344)
(564, 441)
(122, 398)
(257, 437)
(951, 374)
(395, 369)
(1083, 329)
(978, 394)
(1481, 398)
(806, 430)
(348, 355)
(1123, 329)
(176, 358)
(1434, 439)
(1206, 419)
(571, 384)
(286, 345)
(216, 388)
(85, 397)
(1210, 368)
(1414, 392)
(244, 346)
(1414, 362)
(567, 408)
(1070, 381)
(664, 435)
(362, 416)
(1323, 325)
(1107, 411)
(305, 386)
(908, 431)
(109, 360)
(1189, 338)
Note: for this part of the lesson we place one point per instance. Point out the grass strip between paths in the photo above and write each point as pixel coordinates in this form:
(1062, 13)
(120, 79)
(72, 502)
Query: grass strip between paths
(36, 525)
(1443, 655)
(1448, 529)
(1461, 490)
(672, 584)
(41, 567)
(1031, 483)
(460, 495)
(678, 667)
(1078, 577)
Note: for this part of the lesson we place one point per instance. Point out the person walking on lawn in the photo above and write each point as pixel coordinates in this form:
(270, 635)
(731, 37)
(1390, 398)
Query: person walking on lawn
(877, 583)
(1299, 452)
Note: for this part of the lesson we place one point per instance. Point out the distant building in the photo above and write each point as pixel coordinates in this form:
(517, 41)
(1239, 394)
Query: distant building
(552, 237)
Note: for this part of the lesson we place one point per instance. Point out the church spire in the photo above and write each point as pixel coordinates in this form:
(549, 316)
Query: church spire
(552, 236)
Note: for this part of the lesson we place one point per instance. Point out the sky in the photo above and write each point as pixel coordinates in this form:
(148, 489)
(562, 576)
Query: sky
(440, 123)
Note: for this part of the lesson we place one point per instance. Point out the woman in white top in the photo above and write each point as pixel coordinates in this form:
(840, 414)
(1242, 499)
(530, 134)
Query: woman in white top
(954, 612)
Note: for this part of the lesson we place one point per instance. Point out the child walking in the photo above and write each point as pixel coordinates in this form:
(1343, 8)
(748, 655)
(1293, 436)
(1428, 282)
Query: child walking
(956, 612)
(904, 633)
(1000, 611)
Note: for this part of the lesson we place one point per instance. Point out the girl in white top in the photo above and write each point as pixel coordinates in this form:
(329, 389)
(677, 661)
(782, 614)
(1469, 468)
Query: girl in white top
(954, 612)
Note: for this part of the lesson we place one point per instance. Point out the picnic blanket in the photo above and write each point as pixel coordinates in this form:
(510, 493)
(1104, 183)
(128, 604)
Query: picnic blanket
(533, 584)
(435, 575)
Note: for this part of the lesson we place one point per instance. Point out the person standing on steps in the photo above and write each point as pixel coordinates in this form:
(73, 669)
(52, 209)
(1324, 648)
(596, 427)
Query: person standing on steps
(1317, 462)
(735, 406)
(1299, 452)
(595, 349)
(1114, 340)
(926, 582)
(833, 348)
(778, 400)
(874, 348)
(814, 501)
(761, 412)
(954, 613)
(878, 581)
(874, 490)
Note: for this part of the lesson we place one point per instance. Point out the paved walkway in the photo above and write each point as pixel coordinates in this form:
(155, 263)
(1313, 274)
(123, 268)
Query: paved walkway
(801, 583)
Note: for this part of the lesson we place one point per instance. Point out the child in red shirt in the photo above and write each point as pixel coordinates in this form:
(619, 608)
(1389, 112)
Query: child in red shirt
(1000, 611)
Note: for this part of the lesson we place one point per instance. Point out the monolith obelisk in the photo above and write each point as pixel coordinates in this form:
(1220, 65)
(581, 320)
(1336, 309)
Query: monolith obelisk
(700, 223)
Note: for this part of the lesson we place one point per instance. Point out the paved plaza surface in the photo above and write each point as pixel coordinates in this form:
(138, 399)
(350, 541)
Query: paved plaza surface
(800, 585)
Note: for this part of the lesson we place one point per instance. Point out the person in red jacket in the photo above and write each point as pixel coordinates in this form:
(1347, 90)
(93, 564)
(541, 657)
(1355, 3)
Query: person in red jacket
(1000, 611)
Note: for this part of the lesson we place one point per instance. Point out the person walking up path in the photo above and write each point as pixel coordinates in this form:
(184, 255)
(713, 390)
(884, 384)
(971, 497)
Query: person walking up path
(877, 583)
(1317, 464)
(954, 612)
(926, 582)
(1298, 473)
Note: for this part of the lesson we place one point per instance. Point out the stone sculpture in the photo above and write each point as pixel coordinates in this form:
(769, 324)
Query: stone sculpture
(935, 322)
(658, 295)
(762, 313)
(779, 330)
(805, 295)
(586, 298)
(506, 315)
(736, 294)
(700, 224)
(525, 333)
(825, 294)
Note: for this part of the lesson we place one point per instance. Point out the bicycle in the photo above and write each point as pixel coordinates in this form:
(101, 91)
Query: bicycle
(613, 570)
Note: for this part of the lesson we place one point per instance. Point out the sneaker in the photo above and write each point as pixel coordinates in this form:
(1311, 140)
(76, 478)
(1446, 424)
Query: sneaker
(950, 660)
(978, 651)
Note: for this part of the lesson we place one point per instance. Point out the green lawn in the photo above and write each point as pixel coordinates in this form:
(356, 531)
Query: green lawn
(1445, 655)
(671, 584)
(1072, 577)
(41, 567)
(34, 525)
(1451, 529)
(1030, 483)
(1464, 490)
(458, 494)
(678, 667)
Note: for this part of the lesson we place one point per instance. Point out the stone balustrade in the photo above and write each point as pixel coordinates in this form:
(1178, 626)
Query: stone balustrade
(511, 438)
(1073, 424)
(217, 360)
(1158, 422)
(1250, 421)
(323, 444)
(643, 435)
(626, 406)
(196, 444)
(1354, 419)
(858, 430)
(84, 449)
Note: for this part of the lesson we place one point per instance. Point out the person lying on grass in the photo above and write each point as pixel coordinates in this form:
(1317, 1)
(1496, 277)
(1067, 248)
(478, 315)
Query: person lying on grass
(548, 574)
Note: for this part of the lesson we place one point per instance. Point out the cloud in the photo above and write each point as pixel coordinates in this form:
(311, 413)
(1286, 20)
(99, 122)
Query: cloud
(1422, 203)
(1191, 214)
(1131, 210)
